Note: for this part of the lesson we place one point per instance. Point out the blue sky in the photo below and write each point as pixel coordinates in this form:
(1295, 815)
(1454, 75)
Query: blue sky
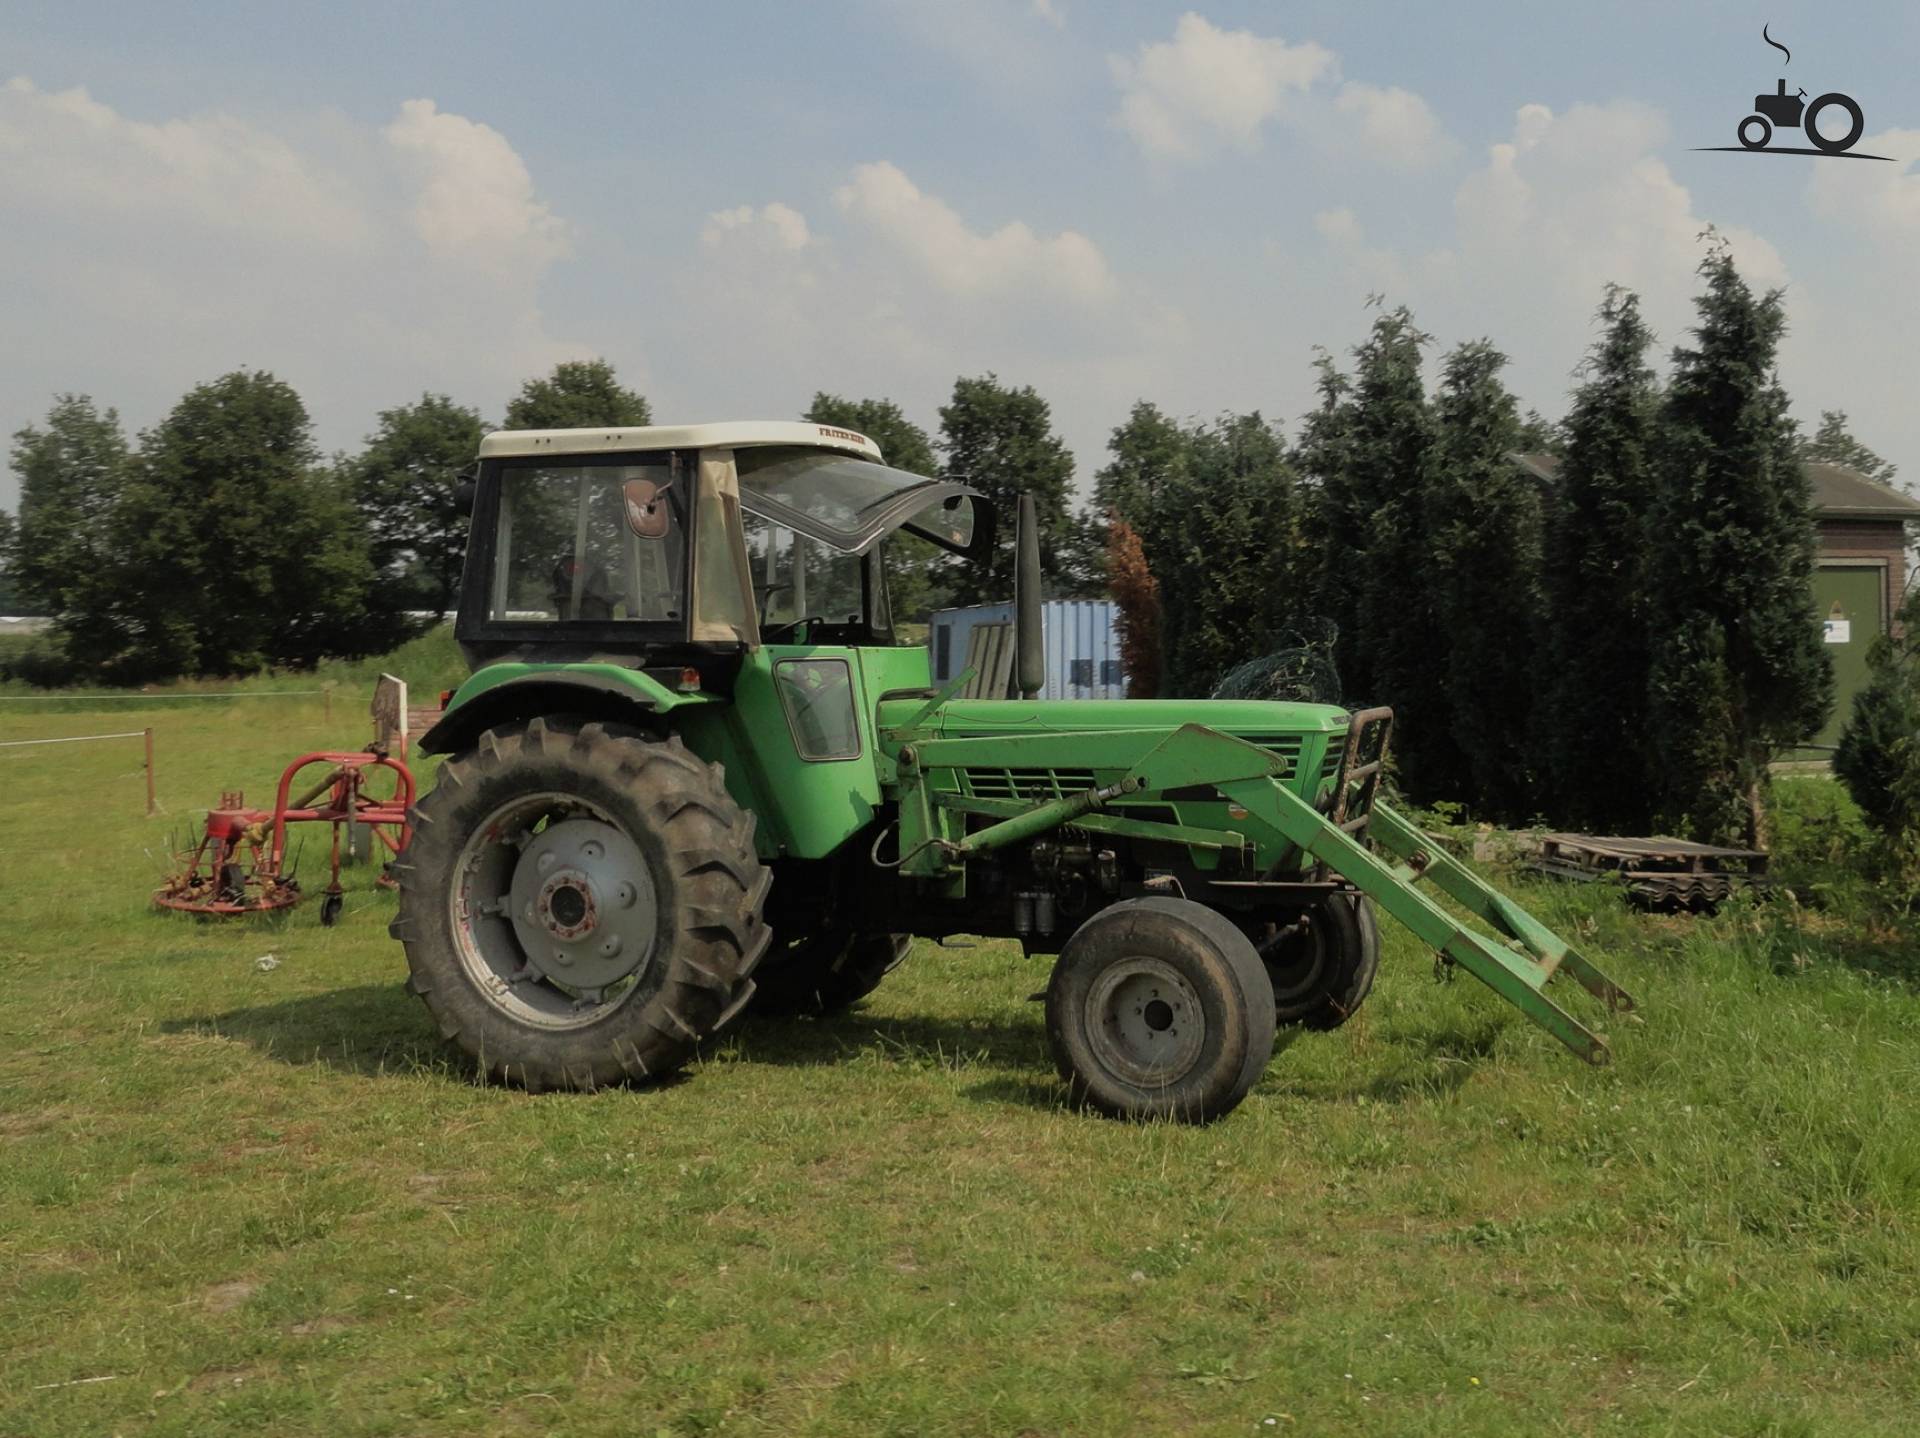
(739, 204)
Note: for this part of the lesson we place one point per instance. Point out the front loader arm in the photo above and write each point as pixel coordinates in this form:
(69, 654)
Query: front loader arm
(1388, 864)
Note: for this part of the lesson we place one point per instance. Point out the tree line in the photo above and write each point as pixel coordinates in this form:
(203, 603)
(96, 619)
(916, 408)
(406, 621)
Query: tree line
(1618, 634)
(1621, 638)
(222, 541)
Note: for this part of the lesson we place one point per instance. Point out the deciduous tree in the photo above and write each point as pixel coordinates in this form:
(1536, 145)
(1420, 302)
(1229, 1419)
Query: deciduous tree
(1000, 440)
(241, 550)
(62, 558)
(579, 394)
(1137, 612)
(403, 484)
(916, 570)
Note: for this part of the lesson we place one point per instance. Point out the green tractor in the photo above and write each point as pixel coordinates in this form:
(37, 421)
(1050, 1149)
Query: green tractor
(693, 773)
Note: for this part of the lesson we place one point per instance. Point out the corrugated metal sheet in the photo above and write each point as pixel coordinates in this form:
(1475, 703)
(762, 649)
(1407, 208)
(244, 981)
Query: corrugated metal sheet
(1082, 645)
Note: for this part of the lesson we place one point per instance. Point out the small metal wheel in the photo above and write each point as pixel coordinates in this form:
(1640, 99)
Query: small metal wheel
(330, 908)
(1160, 1008)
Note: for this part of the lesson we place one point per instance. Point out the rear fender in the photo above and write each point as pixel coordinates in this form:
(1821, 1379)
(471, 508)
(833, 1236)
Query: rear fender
(515, 693)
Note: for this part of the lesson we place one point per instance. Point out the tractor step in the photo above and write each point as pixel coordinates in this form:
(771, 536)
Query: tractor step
(1408, 862)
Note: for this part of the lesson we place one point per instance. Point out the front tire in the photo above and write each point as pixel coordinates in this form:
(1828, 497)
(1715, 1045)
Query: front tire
(1322, 967)
(826, 973)
(580, 909)
(1160, 1008)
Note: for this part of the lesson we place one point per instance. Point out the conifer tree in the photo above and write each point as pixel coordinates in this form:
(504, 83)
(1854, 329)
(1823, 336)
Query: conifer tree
(1375, 562)
(1483, 538)
(1230, 524)
(1739, 670)
(1878, 757)
(1834, 443)
(1330, 519)
(1591, 729)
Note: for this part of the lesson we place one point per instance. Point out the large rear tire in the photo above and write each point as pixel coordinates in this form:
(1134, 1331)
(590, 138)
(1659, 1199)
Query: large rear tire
(580, 909)
(1160, 1008)
(825, 973)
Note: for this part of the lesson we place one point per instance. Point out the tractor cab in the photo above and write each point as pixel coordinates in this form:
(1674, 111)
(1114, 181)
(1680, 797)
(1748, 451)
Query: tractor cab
(692, 544)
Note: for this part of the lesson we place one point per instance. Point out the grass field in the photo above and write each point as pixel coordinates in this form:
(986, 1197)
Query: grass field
(236, 1201)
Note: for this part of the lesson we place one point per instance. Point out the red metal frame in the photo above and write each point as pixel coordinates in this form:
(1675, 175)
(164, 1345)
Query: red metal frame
(206, 885)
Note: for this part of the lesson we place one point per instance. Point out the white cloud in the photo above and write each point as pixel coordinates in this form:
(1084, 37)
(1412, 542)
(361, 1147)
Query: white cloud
(363, 264)
(476, 204)
(963, 261)
(773, 226)
(1392, 124)
(1181, 98)
(62, 150)
(1209, 89)
(1568, 204)
(1049, 11)
(1882, 203)
(895, 293)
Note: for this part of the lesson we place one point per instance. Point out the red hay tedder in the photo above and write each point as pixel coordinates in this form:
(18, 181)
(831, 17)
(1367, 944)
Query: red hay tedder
(240, 865)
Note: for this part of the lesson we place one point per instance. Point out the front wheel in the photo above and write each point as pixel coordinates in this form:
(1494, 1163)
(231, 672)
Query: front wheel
(1160, 1008)
(580, 909)
(826, 973)
(1755, 131)
(1322, 965)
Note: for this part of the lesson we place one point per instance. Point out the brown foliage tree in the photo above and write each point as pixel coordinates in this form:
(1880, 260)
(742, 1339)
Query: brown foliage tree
(1136, 596)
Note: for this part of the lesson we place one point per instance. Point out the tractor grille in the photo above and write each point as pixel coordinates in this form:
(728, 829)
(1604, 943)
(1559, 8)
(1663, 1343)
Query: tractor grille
(1029, 784)
(1287, 746)
(1330, 765)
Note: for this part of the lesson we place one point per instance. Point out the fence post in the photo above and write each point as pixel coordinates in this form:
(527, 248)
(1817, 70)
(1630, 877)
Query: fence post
(326, 691)
(152, 804)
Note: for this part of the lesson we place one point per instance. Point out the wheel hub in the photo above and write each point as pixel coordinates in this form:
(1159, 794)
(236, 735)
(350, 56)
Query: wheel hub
(1145, 1021)
(582, 904)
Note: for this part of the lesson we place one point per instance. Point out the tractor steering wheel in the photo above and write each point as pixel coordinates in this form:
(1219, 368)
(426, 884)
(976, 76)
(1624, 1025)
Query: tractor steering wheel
(766, 593)
(792, 624)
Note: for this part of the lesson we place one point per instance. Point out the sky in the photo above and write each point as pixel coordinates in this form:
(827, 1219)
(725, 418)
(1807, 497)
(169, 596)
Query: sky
(741, 204)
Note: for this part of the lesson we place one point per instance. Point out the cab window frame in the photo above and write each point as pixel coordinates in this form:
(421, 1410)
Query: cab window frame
(475, 622)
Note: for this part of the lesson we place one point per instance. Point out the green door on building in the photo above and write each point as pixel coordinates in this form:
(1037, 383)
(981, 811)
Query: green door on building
(1851, 599)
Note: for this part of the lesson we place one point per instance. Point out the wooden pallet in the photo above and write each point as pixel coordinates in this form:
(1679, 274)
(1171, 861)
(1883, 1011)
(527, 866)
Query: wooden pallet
(1658, 872)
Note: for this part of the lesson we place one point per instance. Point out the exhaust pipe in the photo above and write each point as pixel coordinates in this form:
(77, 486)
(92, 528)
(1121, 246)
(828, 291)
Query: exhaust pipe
(1030, 658)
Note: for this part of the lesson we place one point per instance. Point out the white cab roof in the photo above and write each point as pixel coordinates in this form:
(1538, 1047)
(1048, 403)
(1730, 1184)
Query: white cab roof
(738, 434)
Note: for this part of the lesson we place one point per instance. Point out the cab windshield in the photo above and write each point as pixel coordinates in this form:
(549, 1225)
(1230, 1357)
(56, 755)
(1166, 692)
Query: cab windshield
(848, 502)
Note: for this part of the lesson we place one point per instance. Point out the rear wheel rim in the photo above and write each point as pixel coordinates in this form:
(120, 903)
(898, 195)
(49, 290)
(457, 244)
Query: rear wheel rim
(1144, 1022)
(554, 911)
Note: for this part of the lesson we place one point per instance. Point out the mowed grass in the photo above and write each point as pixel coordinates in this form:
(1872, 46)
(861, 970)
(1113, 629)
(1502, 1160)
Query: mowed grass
(236, 1201)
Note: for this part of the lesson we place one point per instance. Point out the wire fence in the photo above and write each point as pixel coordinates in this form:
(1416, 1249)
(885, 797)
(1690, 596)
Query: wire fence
(153, 803)
(82, 698)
